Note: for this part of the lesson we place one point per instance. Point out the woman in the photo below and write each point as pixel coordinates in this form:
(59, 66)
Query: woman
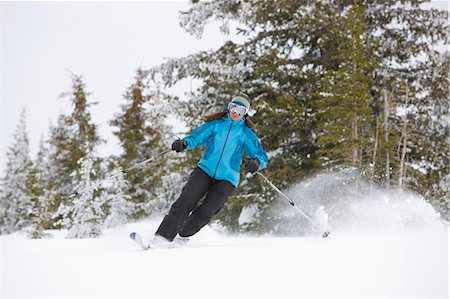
(227, 136)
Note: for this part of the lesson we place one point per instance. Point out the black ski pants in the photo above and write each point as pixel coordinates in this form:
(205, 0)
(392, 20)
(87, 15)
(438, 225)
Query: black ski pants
(184, 217)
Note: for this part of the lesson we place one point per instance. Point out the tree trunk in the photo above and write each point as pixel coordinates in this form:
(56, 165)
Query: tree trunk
(386, 138)
(404, 134)
(375, 149)
(355, 139)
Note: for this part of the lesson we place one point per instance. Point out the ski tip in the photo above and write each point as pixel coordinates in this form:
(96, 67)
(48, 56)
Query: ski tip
(133, 236)
(325, 234)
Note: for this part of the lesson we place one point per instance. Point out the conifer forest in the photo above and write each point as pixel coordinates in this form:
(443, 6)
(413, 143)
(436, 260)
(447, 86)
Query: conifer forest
(360, 87)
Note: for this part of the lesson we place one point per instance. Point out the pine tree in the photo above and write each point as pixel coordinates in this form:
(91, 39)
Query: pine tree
(117, 203)
(41, 216)
(429, 159)
(168, 192)
(83, 215)
(142, 134)
(16, 204)
(70, 140)
(299, 57)
(343, 113)
(59, 157)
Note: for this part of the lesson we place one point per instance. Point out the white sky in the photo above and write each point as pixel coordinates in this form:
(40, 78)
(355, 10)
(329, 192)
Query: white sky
(103, 41)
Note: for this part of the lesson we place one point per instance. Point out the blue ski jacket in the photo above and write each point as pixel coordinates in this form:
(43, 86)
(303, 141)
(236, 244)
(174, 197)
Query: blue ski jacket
(226, 140)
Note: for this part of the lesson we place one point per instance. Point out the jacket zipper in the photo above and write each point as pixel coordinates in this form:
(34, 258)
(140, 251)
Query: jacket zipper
(223, 149)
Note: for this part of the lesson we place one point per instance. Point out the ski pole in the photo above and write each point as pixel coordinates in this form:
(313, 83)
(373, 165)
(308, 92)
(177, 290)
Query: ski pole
(324, 235)
(146, 161)
(123, 171)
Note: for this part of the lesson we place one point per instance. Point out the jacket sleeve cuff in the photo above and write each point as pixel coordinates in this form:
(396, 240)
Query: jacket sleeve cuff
(189, 142)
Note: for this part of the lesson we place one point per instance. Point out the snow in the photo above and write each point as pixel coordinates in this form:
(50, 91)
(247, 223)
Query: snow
(384, 243)
(406, 263)
(248, 214)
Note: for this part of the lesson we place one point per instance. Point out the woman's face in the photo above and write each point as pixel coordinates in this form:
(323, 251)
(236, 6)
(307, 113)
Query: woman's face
(235, 116)
(236, 111)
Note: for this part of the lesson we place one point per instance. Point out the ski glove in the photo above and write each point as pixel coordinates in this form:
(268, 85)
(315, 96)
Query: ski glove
(252, 165)
(179, 145)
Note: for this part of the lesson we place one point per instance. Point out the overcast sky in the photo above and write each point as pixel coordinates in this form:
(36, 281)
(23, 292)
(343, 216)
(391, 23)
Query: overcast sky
(105, 42)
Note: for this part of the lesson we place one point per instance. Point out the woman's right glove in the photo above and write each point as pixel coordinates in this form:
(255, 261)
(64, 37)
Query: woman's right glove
(252, 165)
(179, 145)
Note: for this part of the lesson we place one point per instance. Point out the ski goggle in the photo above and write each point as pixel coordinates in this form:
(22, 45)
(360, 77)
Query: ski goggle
(241, 110)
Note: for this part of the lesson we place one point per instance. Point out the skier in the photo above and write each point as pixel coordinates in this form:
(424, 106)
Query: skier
(227, 135)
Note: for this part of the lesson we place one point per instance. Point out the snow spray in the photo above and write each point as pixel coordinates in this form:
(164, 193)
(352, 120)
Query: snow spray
(345, 203)
(315, 225)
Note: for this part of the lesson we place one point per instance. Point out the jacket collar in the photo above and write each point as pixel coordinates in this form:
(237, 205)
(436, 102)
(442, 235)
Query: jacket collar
(240, 122)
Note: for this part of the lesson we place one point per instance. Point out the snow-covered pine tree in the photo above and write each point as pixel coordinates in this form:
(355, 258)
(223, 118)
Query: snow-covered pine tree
(59, 157)
(83, 215)
(15, 202)
(41, 216)
(288, 47)
(429, 159)
(70, 140)
(168, 192)
(343, 107)
(142, 134)
(115, 200)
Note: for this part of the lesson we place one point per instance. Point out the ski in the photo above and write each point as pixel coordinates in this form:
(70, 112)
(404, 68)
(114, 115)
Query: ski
(138, 239)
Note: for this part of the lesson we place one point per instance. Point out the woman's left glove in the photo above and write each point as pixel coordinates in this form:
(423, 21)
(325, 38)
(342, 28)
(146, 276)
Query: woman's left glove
(252, 165)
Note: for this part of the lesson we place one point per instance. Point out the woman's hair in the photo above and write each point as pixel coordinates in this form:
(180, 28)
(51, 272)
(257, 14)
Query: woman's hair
(222, 114)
